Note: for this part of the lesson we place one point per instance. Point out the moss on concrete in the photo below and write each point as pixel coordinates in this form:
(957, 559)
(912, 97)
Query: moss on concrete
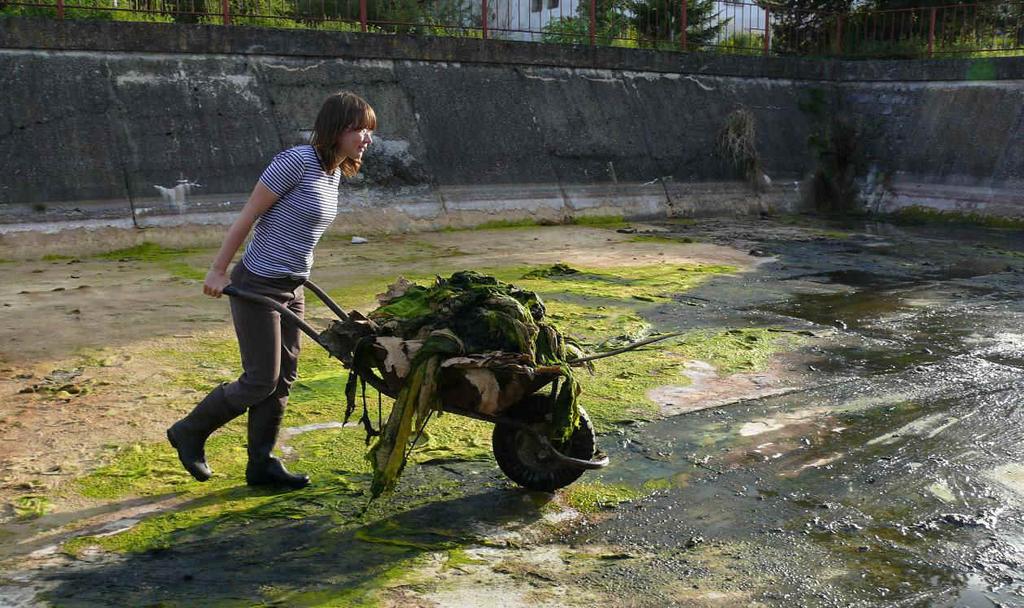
(31, 506)
(596, 306)
(599, 221)
(617, 392)
(650, 282)
(594, 496)
(368, 592)
(171, 260)
(916, 214)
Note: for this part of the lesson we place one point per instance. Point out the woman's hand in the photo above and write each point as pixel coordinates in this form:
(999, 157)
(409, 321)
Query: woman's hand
(261, 199)
(216, 281)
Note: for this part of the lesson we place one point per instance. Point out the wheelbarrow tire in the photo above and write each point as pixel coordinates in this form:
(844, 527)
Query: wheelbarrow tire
(514, 449)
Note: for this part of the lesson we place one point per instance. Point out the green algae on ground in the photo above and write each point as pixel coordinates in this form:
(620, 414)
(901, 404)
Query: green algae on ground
(389, 532)
(453, 438)
(835, 234)
(199, 363)
(599, 221)
(660, 238)
(917, 214)
(152, 469)
(166, 258)
(335, 457)
(500, 225)
(598, 326)
(203, 363)
(617, 391)
(366, 592)
(507, 224)
(596, 221)
(648, 282)
(147, 251)
(458, 559)
(735, 350)
(31, 507)
(594, 496)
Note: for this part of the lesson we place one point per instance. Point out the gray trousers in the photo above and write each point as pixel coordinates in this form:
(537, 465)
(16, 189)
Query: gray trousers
(269, 347)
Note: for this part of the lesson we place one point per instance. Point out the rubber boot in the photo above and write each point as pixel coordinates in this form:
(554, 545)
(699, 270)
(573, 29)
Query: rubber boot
(264, 469)
(188, 435)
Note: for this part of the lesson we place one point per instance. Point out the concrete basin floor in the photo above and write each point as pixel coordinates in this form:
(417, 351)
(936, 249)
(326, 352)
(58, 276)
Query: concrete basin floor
(875, 461)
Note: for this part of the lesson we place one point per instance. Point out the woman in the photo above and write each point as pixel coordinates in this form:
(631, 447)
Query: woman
(292, 204)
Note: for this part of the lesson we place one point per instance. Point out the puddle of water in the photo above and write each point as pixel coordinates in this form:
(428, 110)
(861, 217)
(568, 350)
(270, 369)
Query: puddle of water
(40, 533)
(928, 426)
(845, 310)
(976, 595)
(969, 268)
(862, 484)
(853, 277)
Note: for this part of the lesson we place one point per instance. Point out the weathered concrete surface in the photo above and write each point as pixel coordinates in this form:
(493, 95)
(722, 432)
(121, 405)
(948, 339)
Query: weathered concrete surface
(948, 145)
(159, 124)
(454, 139)
(886, 475)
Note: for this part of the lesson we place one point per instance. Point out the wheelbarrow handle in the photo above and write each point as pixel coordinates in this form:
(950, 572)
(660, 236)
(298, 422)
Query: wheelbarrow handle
(285, 312)
(326, 299)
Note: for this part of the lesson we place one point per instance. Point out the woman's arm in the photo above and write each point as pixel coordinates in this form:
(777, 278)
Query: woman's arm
(259, 201)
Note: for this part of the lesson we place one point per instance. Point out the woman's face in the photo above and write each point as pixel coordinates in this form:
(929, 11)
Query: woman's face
(353, 142)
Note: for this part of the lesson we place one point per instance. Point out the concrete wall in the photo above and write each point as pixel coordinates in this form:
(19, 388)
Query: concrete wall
(153, 124)
(951, 145)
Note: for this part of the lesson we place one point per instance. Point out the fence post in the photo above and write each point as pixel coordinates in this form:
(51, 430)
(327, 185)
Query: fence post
(225, 12)
(767, 29)
(483, 18)
(931, 33)
(60, 9)
(683, 25)
(362, 16)
(593, 22)
(839, 35)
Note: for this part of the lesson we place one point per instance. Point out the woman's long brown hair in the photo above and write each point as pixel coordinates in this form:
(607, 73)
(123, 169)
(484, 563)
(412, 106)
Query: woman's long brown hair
(340, 111)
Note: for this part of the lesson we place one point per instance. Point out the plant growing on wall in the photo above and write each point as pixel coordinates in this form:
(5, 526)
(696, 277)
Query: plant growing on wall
(836, 144)
(737, 144)
(838, 152)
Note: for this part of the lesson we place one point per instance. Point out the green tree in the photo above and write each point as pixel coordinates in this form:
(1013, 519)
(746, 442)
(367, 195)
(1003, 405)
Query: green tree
(895, 28)
(977, 26)
(392, 16)
(805, 27)
(648, 23)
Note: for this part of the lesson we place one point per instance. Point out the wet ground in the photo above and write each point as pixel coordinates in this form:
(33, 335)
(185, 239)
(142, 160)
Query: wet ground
(873, 459)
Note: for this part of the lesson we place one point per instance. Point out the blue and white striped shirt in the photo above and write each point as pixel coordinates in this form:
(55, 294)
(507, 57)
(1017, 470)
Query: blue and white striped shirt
(285, 235)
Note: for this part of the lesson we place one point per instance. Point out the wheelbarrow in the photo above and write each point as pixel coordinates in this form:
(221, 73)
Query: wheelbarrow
(522, 449)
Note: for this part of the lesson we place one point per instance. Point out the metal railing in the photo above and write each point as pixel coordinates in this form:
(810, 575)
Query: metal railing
(722, 26)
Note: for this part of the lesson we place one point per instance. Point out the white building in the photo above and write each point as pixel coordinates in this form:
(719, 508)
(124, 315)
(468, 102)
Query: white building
(526, 19)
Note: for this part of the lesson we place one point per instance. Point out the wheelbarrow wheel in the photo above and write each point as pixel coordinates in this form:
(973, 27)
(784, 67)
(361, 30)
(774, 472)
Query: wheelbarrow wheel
(520, 456)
